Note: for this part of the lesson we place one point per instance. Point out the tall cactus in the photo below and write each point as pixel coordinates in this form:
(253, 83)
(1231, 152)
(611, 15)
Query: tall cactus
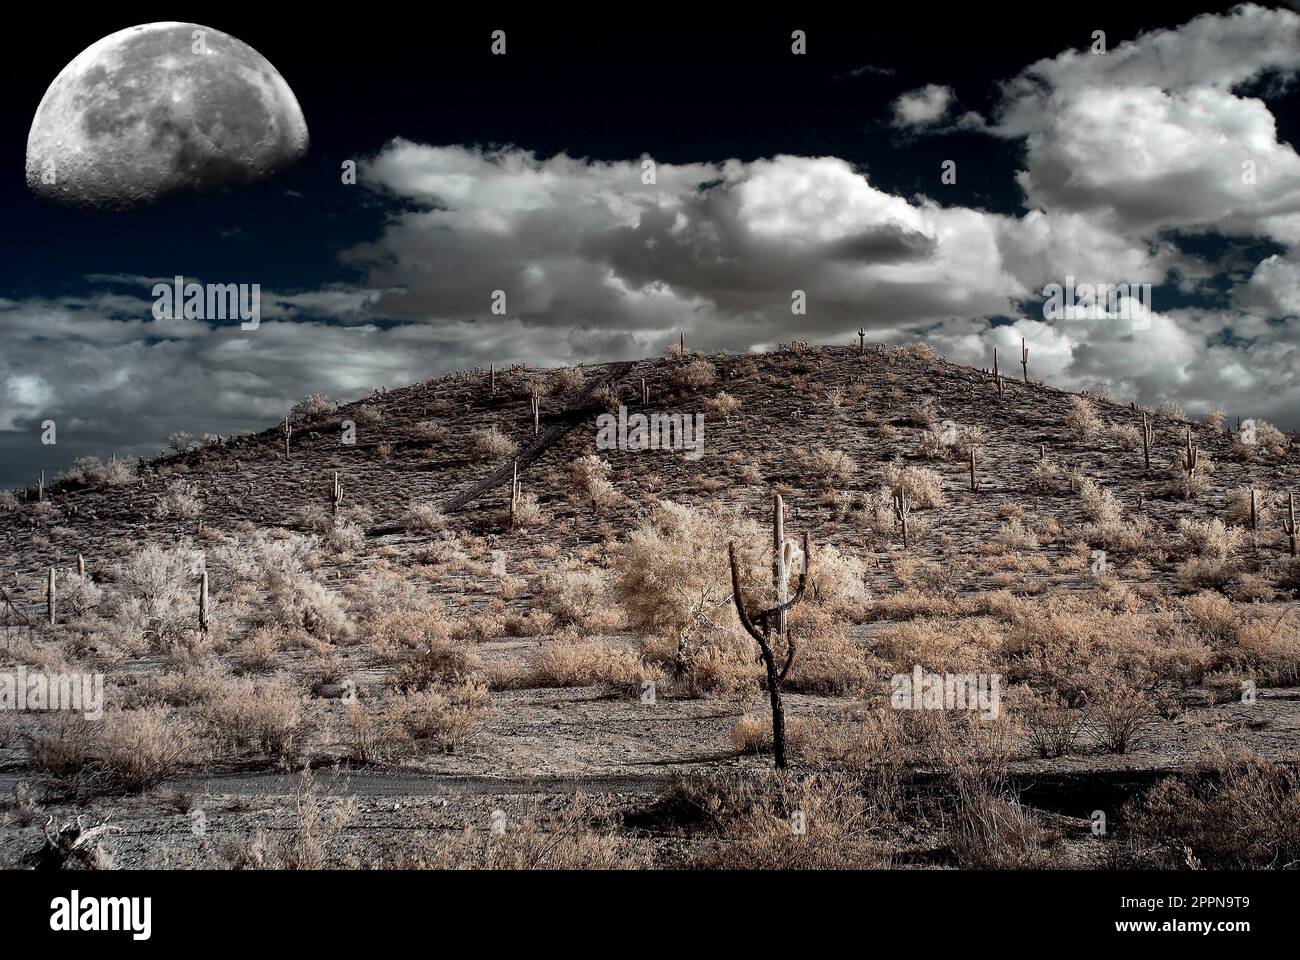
(51, 596)
(1191, 455)
(1024, 359)
(1148, 439)
(760, 625)
(974, 484)
(203, 602)
(862, 340)
(535, 402)
(286, 430)
(336, 497)
(1289, 524)
(902, 510)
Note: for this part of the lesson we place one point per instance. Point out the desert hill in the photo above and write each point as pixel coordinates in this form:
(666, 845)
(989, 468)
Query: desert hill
(414, 630)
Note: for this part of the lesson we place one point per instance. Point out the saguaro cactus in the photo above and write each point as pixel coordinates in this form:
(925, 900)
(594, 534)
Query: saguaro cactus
(535, 402)
(995, 364)
(760, 625)
(1191, 455)
(40, 488)
(514, 495)
(1024, 359)
(286, 430)
(51, 593)
(492, 375)
(1148, 440)
(862, 340)
(645, 393)
(902, 510)
(336, 497)
(974, 484)
(1254, 509)
(203, 602)
(81, 567)
(1002, 387)
(1289, 524)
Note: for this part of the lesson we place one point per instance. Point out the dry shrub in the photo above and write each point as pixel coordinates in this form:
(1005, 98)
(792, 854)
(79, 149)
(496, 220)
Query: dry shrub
(1014, 535)
(131, 751)
(1044, 476)
(1052, 725)
(820, 822)
(1120, 713)
(1210, 539)
(528, 513)
(1237, 813)
(1125, 436)
(673, 580)
(306, 845)
(266, 715)
(1214, 420)
(1185, 485)
(579, 597)
(570, 661)
(567, 380)
(1083, 419)
(312, 407)
(828, 662)
(578, 837)
(440, 717)
(179, 501)
(723, 404)
(154, 604)
(491, 444)
(924, 487)
(693, 376)
(424, 517)
(1100, 505)
(830, 468)
(1171, 410)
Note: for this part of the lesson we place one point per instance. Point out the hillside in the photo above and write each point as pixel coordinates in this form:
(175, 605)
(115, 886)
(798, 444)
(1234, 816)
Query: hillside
(1138, 625)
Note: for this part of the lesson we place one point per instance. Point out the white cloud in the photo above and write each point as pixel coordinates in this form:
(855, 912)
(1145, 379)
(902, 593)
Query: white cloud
(923, 106)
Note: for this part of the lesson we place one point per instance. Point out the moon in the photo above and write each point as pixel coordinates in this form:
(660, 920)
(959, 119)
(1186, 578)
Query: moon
(158, 109)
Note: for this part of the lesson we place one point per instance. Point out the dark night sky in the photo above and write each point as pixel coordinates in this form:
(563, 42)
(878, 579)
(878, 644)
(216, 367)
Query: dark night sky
(631, 80)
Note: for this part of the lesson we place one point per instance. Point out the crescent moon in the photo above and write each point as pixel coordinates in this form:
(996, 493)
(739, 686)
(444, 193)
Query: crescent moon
(157, 109)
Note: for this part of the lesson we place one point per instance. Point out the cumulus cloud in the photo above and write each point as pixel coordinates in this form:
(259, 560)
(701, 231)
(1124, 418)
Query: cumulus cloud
(1124, 154)
(927, 105)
